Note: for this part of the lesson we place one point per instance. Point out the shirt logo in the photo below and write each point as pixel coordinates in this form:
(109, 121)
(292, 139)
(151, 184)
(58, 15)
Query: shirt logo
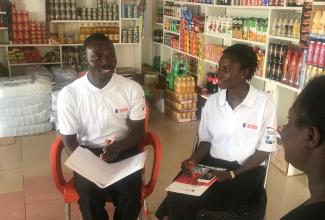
(270, 135)
(249, 126)
(121, 110)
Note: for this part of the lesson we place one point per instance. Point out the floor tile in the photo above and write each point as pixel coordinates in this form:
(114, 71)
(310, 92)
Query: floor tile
(39, 189)
(11, 181)
(12, 206)
(10, 156)
(37, 145)
(49, 210)
(36, 166)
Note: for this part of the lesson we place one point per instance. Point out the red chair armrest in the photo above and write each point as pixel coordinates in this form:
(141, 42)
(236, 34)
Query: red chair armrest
(55, 159)
(154, 141)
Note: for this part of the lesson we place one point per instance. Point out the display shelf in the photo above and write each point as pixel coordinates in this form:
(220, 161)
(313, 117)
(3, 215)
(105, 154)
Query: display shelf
(189, 3)
(171, 17)
(248, 7)
(293, 40)
(3, 28)
(3, 12)
(85, 21)
(210, 61)
(283, 85)
(159, 23)
(171, 32)
(320, 3)
(33, 45)
(129, 19)
(223, 36)
(317, 37)
(30, 64)
(286, 8)
(179, 51)
(259, 78)
(158, 43)
(260, 44)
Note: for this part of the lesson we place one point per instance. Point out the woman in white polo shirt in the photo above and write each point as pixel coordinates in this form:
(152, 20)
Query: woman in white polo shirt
(237, 132)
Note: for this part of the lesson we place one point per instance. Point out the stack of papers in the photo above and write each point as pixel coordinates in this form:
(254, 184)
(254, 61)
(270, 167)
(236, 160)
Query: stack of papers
(103, 174)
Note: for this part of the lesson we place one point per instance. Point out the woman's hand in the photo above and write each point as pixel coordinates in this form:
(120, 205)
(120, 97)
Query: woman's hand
(187, 166)
(221, 175)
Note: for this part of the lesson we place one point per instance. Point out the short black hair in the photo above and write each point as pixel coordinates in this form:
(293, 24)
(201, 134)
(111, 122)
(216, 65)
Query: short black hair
(245, 55)
(97, 37)
(310, 105)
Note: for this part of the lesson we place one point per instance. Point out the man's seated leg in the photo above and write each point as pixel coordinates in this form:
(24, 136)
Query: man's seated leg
(126, 196)
(92, 199)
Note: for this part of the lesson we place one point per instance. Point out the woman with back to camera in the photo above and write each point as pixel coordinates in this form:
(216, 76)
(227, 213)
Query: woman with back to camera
(236, 132)
(304, 143)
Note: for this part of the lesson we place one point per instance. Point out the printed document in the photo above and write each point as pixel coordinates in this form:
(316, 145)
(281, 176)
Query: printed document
(103, 174)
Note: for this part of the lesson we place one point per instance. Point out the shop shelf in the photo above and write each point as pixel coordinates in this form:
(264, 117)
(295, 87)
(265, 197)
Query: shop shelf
(30, 64)
(260, 78)
(260, 44)
(320, 3)
(3, 12)
(294, 40)
(85, 21)
(171, 32)
(171, 17)
(34, 45)
(129, 19)
(223, 36)
(3, 28)
(210, 61)
(159, 23)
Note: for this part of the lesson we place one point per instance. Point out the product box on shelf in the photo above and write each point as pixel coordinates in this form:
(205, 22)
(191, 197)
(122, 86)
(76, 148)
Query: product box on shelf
(186, 107)
(180, 116)
(181, 97)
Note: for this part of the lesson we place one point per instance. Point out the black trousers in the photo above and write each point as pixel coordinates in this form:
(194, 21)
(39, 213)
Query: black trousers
(125, 194)
(228, 195)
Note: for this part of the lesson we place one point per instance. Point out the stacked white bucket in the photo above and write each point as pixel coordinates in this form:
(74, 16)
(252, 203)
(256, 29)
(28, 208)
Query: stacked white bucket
(25, 103)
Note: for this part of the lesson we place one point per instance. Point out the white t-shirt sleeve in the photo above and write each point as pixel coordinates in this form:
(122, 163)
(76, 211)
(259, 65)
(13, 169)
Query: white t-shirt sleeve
(138, 103)
(68, 122)
(267, 141)
(204, 133)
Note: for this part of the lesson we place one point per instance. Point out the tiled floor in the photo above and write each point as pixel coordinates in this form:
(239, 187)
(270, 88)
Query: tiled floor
(28, 193)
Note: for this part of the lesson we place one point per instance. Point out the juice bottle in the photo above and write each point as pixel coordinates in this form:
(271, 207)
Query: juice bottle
(285, 25)
(322, 29)
(290, 26)
(275, 26)
(316, 25)
(296, 28)
(296, 79)
(280, 25)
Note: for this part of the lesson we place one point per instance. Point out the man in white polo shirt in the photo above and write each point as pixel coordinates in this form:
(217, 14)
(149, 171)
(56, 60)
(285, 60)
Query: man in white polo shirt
(104, 112)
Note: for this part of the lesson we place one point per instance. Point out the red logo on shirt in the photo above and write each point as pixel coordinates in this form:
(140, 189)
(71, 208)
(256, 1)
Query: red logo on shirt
(250, 126)
(121, 110)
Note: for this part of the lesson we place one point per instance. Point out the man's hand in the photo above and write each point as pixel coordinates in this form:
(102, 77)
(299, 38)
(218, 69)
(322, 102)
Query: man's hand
(221, 175)
(187, 167)
(110, 152)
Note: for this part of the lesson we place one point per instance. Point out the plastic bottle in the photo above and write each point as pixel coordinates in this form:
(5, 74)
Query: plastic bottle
(286, 64)
(290, 26)
(322, 29)
(293, 66)
(280, 25)
(316, 25)
(275, 26)
(285, 25)
(296, 28)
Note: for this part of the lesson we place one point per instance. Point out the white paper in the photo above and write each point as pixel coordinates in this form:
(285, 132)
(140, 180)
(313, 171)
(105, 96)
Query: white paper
(103, 174)
(193, 190)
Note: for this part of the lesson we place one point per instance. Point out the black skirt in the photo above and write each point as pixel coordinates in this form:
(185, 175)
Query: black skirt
(228, 195)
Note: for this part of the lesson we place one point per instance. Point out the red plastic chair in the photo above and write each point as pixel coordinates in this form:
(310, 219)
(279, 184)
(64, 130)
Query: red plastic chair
(67, 189)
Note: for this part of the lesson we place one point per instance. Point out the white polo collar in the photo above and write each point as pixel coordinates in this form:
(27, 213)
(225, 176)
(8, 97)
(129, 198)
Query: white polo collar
(90, 88)
(249, 101)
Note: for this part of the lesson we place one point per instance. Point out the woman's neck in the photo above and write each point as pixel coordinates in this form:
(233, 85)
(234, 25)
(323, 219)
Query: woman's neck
(235, 96)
